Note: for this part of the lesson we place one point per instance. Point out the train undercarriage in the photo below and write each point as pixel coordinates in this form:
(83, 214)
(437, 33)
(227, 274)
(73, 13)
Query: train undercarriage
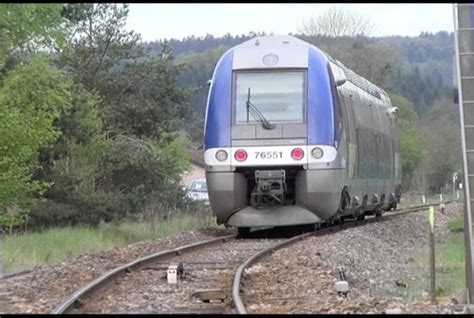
(282, 196)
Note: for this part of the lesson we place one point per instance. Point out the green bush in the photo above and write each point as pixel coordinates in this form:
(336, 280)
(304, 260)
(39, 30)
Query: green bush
(49, 213)
(83, 209)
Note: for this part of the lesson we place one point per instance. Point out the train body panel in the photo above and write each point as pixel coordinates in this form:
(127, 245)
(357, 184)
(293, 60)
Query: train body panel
(287, 142)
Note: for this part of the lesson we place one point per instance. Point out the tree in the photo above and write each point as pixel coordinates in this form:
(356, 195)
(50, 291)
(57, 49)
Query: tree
(32, 96)
(337, 22)
(441, 133)
(30, 101)
(199, 69)
(411, 143)
(375, 62)
(119, 147)
(143, 99)
(30, 27)
(343, 35)
(98, 43)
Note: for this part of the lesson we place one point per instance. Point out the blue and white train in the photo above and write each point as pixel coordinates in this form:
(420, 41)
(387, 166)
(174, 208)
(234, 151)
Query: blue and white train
(293, 137)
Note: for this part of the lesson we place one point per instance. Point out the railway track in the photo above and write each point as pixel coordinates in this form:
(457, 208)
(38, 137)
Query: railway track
(210, 281)
(237, 285)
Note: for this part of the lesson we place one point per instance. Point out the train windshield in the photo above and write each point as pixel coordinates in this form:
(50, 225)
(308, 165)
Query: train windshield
(278, 95)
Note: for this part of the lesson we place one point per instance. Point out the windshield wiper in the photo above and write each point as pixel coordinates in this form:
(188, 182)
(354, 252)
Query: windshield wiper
(252, 109)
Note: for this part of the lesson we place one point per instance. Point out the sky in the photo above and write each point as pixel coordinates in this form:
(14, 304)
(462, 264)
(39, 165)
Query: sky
(155, 21)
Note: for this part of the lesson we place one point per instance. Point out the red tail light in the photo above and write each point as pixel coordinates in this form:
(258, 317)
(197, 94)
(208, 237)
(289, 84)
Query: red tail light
(240, 155)
(297, 154)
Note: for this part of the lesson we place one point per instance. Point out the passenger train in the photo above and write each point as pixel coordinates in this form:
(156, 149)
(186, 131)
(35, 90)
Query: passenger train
(292, 137)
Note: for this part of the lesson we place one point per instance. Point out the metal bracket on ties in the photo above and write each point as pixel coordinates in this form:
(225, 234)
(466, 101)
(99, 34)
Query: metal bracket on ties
(342, 286)
(175, 271)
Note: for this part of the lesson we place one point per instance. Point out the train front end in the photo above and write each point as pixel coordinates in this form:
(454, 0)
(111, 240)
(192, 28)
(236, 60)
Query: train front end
(271, 135)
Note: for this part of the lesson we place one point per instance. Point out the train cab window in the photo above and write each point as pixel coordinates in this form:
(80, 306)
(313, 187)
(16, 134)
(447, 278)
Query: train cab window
(278, 95)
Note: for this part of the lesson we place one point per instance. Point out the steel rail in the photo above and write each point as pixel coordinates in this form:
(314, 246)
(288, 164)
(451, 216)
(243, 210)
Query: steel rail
(101, 281)
(15, 274)
(237, 300)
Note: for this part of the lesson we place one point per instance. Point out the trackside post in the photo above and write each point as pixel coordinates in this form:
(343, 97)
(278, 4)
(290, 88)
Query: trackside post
(463, 18)
(432, 256)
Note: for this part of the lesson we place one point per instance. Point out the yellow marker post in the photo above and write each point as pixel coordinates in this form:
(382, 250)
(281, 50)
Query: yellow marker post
(432, 256)
(432, 218)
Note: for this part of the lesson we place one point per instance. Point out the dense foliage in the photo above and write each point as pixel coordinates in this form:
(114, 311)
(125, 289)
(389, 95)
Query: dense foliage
(91, 120)
(94, 119)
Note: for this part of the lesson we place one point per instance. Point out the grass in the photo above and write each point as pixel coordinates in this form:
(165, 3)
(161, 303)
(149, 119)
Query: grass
(450, 265)
(456, 225)
(409, 199)
(58, 244)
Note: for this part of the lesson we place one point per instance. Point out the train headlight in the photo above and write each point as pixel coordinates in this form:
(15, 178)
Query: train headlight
(221, 155)
(317, 153)
(240, 155)
(297, 154)
(270, 59)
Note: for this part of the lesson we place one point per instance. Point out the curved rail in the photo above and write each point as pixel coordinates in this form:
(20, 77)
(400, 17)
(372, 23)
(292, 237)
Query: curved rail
(108, 276)
(15, 274)
(238, 303)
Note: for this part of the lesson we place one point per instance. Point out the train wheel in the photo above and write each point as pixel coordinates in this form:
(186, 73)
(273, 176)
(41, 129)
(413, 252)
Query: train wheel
(378, 213)
(243, 231)
(336, 220)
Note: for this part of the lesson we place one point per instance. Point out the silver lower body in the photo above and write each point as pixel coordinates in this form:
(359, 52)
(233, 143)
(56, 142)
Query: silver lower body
(317, 198)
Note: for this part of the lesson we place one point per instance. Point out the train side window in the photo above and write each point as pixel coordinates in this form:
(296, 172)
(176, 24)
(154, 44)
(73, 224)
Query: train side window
(345, 123)
(393, 160)
(352, 127)
(369, 154)
(345, 118)
(383, 156)
(360, 148)
(373, 152)
(376, 155)
(380, 156)
(389, 142)
(358, 141)
(386, 157)
(337, 104)
(363, 155)
(366, 153)
(389, 157)
(352, 121)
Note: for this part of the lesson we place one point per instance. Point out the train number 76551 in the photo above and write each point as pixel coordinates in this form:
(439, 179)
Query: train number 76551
(268, 154)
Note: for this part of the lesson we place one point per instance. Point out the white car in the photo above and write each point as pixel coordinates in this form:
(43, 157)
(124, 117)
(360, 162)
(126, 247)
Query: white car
(198, 191)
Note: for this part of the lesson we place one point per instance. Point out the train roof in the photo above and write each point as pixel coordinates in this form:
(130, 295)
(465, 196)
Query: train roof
(283, 41)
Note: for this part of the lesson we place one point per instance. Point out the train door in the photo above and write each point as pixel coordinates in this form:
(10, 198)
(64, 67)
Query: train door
(372, 149)
(346, 133)
(391, 152)
(360, 147)
(380, 179)
(349, 130)
(372, 171)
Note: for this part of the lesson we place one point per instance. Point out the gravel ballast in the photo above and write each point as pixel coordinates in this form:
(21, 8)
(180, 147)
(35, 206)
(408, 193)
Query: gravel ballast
(377, 260)
(41, 290)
